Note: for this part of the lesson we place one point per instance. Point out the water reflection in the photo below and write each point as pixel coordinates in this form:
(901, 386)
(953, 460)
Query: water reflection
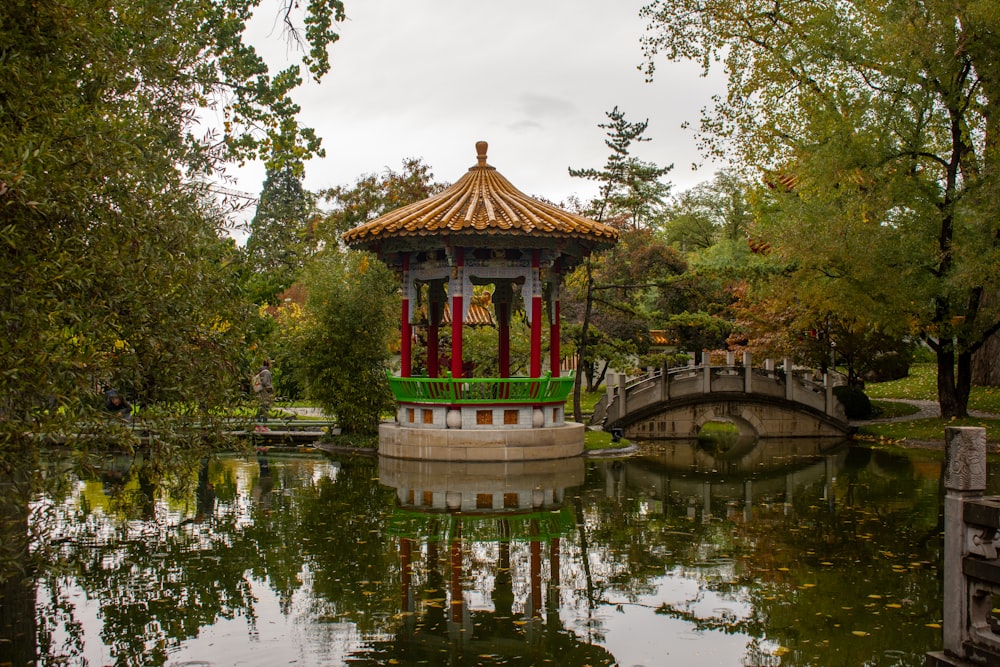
(480, 549)
(791, 555)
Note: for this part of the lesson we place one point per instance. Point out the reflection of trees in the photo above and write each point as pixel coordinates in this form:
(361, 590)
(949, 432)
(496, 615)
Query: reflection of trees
(800, 561)
(828, 561)
(17, 586)
(355, 575)
(160, 578)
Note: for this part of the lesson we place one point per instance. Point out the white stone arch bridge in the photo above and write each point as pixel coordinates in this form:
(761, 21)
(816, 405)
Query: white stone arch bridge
(766, 402)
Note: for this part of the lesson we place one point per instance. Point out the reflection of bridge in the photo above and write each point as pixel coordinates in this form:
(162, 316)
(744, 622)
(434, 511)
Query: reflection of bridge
(763, 402)
(691, 479)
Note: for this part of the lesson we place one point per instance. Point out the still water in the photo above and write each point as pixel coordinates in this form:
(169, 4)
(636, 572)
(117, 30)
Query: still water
(778, 553)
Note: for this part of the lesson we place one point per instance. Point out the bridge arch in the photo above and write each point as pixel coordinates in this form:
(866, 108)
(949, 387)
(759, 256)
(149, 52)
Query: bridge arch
(676, 403)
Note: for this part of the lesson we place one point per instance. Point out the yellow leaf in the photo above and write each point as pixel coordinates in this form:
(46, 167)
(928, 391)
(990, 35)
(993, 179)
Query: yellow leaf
(860, 633)
(936, 626)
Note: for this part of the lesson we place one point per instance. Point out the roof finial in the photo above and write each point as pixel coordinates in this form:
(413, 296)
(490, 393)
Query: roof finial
(481, 147)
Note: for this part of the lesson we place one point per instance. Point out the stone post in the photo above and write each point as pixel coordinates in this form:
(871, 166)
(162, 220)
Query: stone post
(789, 379)
(622, 381)
(747, 373)
(706, 364)
(964, 480)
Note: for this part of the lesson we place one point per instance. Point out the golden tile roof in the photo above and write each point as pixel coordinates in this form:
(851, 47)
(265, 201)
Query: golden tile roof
(481, 208)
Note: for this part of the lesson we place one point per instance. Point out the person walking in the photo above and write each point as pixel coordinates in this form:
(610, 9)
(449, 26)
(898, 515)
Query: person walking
(263, 389)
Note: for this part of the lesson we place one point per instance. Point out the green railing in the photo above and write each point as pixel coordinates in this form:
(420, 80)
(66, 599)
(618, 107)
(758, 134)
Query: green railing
(491, 526)
(545, 389)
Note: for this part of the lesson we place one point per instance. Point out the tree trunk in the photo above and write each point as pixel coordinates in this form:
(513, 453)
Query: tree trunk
(986, 360)
(952, 397)
(986, 363)
(577, 411)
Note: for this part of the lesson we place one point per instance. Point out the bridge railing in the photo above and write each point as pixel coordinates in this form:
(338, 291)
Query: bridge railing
(628, 392)
(971, 567)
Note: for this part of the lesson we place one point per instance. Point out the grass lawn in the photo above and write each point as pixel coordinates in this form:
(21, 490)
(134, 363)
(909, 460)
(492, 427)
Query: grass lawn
(890, 409)
(921, 384)
(588, 399)
(594, 440)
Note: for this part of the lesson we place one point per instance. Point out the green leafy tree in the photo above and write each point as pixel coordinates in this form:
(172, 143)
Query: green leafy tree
(630, 190)
(344, 344)
(630, 194)
(278, 245)
(373, 195)
(112, 266)
(710, 213)
(877, 120)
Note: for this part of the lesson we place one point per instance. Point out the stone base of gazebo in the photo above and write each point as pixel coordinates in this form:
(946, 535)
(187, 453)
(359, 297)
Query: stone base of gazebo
(495, 444)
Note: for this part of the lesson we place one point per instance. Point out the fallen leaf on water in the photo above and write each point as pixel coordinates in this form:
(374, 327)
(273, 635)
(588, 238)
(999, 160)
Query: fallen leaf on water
(860, 633)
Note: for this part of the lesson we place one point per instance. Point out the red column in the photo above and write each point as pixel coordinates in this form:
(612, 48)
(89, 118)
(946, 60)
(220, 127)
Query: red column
(457, 279)
(457, 597)
(536, 571)
(536, 318)
(554, 319)
(406, 336)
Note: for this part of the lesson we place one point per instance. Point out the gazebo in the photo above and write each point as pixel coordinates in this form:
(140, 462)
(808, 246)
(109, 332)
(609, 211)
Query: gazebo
(480, 231)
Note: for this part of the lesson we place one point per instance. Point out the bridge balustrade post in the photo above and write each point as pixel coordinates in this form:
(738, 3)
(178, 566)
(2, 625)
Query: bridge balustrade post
(730, 358)
(789, 379)
(664, 383)
(609, 396)
(622, 380)
(964, 482)
(828, 384)
(706, 363)
(747, 373)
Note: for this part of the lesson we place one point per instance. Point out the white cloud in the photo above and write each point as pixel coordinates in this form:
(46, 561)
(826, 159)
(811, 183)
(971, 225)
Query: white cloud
(429, 78)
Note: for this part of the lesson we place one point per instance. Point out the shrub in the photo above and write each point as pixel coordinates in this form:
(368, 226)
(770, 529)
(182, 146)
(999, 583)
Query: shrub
(855, 402)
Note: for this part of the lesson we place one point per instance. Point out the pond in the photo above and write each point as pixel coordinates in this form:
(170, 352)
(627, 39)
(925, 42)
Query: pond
(772, 553)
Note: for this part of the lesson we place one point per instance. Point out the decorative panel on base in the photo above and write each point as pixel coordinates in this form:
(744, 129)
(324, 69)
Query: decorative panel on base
(496, 444)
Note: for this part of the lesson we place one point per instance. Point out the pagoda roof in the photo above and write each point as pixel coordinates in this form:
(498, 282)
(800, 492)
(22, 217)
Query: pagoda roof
(482, 209)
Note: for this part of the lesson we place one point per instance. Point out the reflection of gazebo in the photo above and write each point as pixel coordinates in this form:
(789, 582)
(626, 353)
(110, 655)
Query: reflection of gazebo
(458, 523)
(481, 231)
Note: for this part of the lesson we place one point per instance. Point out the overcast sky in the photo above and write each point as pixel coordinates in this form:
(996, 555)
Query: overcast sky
(534, 78)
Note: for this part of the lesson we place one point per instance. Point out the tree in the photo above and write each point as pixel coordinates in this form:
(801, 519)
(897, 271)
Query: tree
(709, 213)
(630, 191)
(373, 195)
(278, 244)
(876, 122)
(344, 342)
(113, 263)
